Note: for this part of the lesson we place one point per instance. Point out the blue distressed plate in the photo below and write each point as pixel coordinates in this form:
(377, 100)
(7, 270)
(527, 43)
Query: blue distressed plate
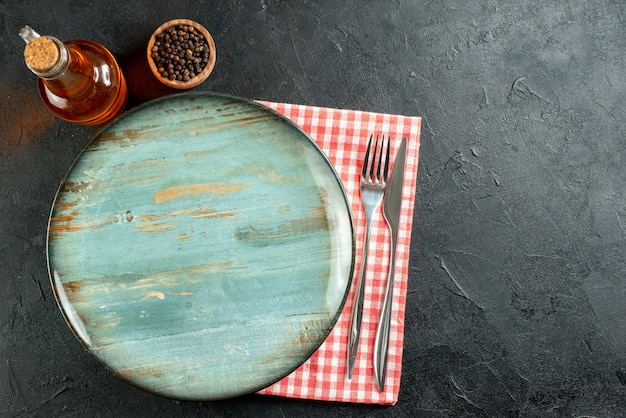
(201, 246)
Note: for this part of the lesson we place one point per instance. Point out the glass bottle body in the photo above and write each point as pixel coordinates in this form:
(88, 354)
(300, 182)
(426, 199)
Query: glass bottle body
(91, 90)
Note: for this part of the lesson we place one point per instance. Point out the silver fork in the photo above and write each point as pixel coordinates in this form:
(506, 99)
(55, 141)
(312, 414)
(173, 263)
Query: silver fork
(373, 184)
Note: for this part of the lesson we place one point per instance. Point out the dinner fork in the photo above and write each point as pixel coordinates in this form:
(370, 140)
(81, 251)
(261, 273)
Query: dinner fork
(373, 184)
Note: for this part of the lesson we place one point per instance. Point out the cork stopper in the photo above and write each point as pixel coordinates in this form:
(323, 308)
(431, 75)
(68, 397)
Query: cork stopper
(42, 54)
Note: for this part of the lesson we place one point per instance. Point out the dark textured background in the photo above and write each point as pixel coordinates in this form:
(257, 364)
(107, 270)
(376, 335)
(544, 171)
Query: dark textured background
(517, 292)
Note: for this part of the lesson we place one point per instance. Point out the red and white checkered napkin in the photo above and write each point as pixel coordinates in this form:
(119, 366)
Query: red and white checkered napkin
(343, 135)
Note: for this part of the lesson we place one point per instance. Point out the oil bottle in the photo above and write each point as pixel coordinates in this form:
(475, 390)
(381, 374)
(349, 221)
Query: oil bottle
(78, 80)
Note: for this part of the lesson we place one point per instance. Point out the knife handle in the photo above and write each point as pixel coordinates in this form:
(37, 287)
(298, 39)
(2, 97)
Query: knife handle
(381, 344)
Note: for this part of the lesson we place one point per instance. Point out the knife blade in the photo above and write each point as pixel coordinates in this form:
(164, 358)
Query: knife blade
(392, 204)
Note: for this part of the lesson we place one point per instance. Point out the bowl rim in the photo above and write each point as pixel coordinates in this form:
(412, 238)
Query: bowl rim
(199, 78)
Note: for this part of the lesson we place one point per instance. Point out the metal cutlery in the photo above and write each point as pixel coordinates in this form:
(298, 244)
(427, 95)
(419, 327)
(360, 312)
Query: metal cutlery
(373, 184)
(391, 211)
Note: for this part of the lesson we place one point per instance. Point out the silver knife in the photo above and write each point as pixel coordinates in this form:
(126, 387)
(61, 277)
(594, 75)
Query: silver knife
(391, 210)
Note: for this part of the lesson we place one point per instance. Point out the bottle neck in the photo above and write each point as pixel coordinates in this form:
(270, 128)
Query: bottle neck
(45, 56)
(63, 69)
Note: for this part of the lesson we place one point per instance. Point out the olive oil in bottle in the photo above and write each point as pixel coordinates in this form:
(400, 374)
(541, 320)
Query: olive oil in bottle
(79, 80)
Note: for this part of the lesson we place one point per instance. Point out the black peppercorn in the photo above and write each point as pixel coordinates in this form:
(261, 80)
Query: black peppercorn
(180, 53)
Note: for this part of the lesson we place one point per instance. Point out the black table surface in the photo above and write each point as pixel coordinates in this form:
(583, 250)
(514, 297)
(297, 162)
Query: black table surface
(517, 290)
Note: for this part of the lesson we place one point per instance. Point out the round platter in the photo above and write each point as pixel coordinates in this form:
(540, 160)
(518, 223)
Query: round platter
(201, 246)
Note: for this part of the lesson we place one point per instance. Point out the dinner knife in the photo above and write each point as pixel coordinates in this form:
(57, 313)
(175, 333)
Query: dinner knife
(391, 210)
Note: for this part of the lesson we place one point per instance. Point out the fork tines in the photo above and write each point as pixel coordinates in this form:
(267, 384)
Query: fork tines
(380, 156)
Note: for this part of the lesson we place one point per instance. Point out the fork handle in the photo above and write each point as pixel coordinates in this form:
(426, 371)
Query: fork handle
(381, 344)
(356, 316)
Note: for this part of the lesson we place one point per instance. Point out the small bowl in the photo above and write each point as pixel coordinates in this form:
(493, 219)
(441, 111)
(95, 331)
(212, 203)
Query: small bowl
(199, 78)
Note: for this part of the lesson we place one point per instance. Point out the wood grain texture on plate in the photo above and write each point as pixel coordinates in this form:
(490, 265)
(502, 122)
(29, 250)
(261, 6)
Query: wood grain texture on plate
(201, 246)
